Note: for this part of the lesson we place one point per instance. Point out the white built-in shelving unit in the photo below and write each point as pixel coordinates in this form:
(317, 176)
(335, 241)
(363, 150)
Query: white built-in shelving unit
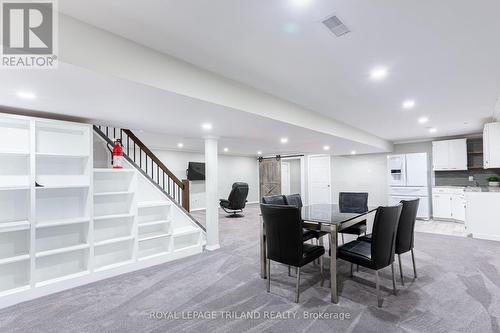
(64, 223)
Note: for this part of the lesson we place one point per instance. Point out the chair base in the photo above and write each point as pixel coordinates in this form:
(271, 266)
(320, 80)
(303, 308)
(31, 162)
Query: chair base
(233, 213)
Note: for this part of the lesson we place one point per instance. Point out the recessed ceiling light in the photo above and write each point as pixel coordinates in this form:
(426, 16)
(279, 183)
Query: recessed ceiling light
(432, 130)
(259, 153)
(206, 126)
(180, 145)
(26, 95)
(226, 150)
(353, 152)
(326, 147)
(284, 140)
(423, 120)
(290, 28)
(378, 73)
(408, 104)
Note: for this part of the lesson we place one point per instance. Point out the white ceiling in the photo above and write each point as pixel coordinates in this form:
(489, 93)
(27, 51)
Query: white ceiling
(102, 99)
(444, 54)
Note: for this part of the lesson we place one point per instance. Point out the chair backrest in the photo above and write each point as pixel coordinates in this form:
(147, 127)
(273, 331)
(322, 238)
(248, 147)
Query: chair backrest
(384, 233)
(353, 202)
(274, 200)
(294, 200)
(283, 225)
(406, 227)
(238, 196)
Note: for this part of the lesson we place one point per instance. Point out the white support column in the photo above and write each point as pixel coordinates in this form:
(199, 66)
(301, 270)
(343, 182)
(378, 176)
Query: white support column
(211, 182)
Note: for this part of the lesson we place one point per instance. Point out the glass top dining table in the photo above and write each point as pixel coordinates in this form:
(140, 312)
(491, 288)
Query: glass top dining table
(322, 217)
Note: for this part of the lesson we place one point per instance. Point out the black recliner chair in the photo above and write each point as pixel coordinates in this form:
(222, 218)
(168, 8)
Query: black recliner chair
(379, 253)
(284, 238)
(237, 199)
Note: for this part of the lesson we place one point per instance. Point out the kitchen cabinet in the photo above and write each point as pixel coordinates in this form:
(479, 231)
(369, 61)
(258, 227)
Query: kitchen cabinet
(491, 145)
(449, 203)
(449, 155)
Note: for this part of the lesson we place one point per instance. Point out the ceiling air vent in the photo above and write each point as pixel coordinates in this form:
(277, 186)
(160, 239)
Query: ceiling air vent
(335, 25)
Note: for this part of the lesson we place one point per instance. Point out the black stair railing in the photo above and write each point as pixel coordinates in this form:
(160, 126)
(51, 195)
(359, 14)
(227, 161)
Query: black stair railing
(145, 160)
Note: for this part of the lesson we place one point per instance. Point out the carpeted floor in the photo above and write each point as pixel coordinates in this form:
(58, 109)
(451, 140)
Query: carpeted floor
(458, 290)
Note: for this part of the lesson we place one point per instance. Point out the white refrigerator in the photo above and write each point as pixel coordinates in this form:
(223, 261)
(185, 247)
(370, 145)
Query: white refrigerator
(409, 178)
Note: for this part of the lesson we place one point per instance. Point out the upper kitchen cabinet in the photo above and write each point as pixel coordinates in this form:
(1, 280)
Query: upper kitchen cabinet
(449, 155)
(491, 145)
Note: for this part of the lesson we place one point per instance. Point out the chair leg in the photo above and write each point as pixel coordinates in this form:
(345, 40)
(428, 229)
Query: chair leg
(289, 271)
(297, 287)
(377, 283)
(414, 266)
(357, 268)
(352, 274)
(321, 270)
(401, 270)
(268, 275)
(343, 242)
(393, 279)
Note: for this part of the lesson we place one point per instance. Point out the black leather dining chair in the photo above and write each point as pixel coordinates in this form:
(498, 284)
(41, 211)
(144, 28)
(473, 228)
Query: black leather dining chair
(283, 228)
(353, 202)
(277, 199)
(405, 234)
(237, 199)
(294, 200)
(379, 253)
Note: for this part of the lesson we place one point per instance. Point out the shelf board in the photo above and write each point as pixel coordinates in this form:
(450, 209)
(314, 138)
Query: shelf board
(112, 216)
(62, 278)
(14, 259)
(186, 247)
(185, 231)
(147, 204)
(150, 256)
(148, 224)
(62, 186)
(114, 240)
(59, 222)
(14, 291)
(113, 193)
(14, 188)
(14, 226)
(62, 250)
(111, 170)
(475, 152)
(154, 235)
(115, 265)
(15, 153)
(60, 155)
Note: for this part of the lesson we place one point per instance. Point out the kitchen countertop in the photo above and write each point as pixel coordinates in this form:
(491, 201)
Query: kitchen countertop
(482, 189)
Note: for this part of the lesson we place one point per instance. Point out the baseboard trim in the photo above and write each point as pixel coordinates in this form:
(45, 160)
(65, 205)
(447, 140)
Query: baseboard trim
(203, 208)
(486, 237)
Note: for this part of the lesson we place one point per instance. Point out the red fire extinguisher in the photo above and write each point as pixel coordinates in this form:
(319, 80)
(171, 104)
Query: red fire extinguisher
(118, 160)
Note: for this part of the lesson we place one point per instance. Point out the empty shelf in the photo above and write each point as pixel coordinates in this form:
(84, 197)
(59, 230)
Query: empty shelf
(14, 226)
(54, 223)
(61, 278)
(114, 240)
(14, 188)
(148, 224)
(62, 186)
(112, 216)
(154, 235)
(115, 265)
(113, 170)
(146, 204)
(62, 250)
(185, 230)
(62, 155)
(14, 259)
(113, 193)
(15, 153)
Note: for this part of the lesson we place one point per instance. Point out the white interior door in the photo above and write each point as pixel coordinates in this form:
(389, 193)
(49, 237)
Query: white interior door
(285, 178)
(319, 176)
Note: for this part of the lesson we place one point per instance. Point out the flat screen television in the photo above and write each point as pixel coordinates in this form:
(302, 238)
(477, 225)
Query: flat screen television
(196, 171)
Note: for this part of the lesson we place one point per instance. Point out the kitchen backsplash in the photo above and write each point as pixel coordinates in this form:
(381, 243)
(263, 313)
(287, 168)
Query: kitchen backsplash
(461, 178)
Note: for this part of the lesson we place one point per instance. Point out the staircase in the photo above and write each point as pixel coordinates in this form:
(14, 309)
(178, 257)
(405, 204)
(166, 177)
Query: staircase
(150, 166)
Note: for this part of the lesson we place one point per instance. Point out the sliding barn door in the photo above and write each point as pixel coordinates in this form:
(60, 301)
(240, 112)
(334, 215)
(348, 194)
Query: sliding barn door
(270, 177)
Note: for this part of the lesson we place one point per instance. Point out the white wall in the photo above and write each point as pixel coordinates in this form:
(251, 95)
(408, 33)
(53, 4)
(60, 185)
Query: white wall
(361, 173)
(231, 169)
